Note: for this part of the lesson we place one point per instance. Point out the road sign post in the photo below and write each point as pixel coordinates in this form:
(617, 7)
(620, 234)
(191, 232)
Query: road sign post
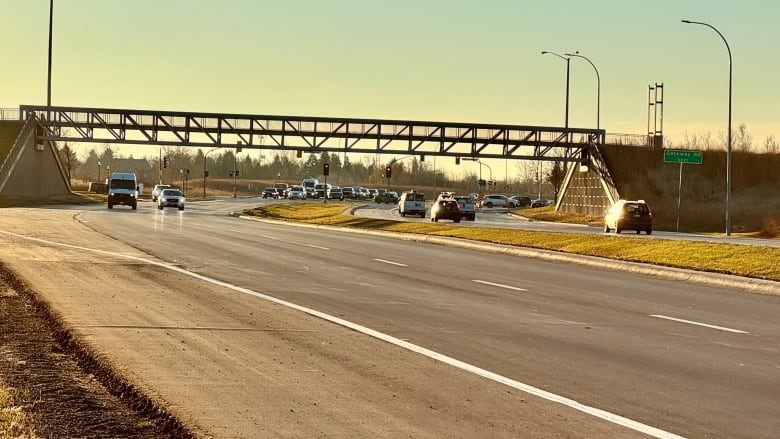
(682, 156)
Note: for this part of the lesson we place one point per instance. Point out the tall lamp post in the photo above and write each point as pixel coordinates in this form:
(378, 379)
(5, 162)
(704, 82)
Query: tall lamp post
(598, 86)
(48, 81)
(728, 147)
(205, 156)
(567, 59)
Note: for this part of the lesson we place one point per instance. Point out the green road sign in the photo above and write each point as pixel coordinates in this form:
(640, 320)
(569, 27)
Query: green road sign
(683, 156)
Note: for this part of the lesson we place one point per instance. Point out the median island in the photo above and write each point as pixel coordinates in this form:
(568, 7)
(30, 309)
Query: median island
(758, 262)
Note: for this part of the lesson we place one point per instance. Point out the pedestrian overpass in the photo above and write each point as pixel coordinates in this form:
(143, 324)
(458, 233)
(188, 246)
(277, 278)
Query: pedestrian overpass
(306, 134)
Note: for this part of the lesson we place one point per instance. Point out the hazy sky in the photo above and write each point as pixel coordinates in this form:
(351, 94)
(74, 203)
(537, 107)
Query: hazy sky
(448, 60)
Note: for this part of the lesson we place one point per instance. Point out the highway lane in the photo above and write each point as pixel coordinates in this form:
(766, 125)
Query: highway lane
(694, 360)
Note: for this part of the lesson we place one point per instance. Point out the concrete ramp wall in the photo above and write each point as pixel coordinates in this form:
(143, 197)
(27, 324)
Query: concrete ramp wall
(30, 170)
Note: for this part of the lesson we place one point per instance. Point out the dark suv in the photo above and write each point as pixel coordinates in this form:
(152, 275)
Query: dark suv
(629, 215)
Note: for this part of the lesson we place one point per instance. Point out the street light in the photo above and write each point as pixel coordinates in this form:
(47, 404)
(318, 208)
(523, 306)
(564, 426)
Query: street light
(235, 154)
(567, 59)
(598, 86)
(728, 147)
(48, 83)
(205, 156)
(480, 166)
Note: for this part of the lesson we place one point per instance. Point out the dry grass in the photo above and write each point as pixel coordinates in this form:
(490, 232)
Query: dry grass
(741, 260)
(14, 422)
(641, 173)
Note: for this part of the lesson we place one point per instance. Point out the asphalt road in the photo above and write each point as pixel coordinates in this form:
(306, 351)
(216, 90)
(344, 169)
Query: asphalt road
(602, 353)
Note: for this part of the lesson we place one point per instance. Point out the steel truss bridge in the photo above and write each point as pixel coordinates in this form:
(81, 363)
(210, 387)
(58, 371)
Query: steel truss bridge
(311, 134)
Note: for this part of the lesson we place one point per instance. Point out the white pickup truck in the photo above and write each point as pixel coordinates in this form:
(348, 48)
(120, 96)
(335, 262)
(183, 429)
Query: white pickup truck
(467, 210)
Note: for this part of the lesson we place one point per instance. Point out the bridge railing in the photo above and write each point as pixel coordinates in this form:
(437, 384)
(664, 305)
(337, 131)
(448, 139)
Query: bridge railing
(10, 113)
(16, 149)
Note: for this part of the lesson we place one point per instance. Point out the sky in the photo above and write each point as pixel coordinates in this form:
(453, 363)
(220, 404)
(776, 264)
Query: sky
(438, 60)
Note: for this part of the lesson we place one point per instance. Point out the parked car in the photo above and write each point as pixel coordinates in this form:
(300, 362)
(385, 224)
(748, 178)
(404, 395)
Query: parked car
(540, 203)
(521, 201)
(297, 193)
(445, 208)
(170, 198)
(372, 193)
(629, 215)
(336, 193)
(348, 192)
(467, 210)
(158, 188)
(270, 192)
(322, 190)
(495, 200)
(387, 197)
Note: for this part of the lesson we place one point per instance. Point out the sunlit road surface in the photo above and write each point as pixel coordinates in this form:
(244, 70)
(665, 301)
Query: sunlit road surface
(597, 349)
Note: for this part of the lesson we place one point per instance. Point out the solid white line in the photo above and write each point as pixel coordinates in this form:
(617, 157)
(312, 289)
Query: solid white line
(391, 262)
(509, 287)
(691, 322)
(602, 414)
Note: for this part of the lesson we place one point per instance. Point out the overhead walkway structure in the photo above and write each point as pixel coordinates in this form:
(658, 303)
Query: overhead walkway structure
(306, 134)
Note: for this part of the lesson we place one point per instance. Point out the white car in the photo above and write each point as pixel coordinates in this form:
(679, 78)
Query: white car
(158, 188)
(170, 198)
(297, 193)
(495, 200)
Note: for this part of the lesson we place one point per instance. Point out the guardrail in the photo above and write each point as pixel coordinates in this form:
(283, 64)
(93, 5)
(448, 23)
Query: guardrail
(16, 149)
(10, 113)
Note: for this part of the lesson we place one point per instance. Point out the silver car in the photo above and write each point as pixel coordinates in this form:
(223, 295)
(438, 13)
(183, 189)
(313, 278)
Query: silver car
(170, 198)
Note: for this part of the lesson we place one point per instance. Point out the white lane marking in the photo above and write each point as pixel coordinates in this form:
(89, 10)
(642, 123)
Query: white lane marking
(706, 325)
(598, 413)
(279, 239)
(317, 246)
(509, 287)
(391, 262)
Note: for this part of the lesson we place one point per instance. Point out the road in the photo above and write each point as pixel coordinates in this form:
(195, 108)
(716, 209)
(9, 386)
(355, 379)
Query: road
(251, 328)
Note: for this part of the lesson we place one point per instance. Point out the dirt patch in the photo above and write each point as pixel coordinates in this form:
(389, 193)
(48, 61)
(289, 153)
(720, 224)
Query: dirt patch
(63, 389)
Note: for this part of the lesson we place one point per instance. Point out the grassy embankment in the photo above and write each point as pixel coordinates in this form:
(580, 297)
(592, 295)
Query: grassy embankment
(742, 260)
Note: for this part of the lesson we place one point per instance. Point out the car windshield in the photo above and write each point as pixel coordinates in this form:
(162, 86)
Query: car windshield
(171, 192)
(122, 184)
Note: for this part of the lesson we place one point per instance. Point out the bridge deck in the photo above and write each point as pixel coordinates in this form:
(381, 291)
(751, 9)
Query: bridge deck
(312, 134)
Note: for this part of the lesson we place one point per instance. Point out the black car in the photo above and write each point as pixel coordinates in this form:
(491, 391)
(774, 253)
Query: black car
(386, 197)
(629, 215)
(271, 192)
(446, 209)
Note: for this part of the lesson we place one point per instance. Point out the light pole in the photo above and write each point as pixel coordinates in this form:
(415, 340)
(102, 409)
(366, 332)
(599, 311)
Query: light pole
(235, 158)
(567, 59)
(480, 166)
(728, 147)
(598, 86)
(48, 83)
(100, 165)
(205, 156)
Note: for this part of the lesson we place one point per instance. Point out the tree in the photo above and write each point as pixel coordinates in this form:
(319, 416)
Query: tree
(68, 159)
(555, 177)
(743, 140)
(770, 144)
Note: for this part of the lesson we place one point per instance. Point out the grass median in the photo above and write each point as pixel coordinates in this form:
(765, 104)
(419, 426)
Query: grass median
(742, 260)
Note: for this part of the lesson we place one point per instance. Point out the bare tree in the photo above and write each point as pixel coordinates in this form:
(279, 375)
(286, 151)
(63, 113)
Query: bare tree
(743, 140)
(770, 144)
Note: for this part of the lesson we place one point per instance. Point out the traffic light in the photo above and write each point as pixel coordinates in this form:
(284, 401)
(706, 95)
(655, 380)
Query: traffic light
(492, 182)
(481, 182)
(206, 174)
(388, 171)
(166, 161)
(325, 168)
(457, 159)
(299, 153)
